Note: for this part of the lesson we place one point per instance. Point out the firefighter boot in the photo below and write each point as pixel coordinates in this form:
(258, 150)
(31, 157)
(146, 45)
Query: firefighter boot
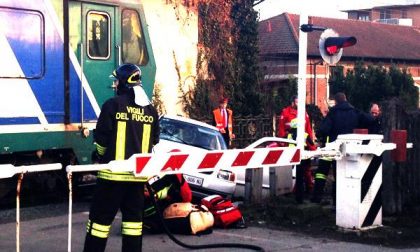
(318, 190)
(299, 183)
(94, 244)
(309, 180)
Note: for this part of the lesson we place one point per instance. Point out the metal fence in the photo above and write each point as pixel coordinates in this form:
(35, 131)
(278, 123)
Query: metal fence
(249, 129)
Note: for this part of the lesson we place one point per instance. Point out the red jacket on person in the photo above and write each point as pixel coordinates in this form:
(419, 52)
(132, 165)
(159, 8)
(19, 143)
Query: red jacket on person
(287, 115)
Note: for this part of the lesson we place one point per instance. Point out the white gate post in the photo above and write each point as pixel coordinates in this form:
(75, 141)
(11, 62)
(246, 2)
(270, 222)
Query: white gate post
(359, 181)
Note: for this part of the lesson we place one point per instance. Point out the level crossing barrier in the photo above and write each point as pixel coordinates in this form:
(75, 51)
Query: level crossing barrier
(350, 150)
(359, 180)
(158, 164)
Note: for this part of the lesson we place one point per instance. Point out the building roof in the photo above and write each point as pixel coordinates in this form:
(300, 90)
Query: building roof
(394, 6)
(278, 36)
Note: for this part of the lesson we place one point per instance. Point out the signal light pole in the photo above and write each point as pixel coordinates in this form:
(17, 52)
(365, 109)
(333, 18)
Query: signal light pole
(301, 110)
(311, 28)
(330, 47)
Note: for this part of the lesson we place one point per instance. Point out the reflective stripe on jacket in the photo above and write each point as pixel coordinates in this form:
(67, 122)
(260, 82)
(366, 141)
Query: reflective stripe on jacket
(123, 129)
(120, 176)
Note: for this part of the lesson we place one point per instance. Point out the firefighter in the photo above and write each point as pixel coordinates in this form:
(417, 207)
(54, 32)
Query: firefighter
(325, 164)
(305, 164)
(223, 120)
(128, 124)
(287, 115)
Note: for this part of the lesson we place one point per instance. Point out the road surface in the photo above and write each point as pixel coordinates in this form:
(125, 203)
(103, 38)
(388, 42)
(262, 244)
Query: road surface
(44, 228)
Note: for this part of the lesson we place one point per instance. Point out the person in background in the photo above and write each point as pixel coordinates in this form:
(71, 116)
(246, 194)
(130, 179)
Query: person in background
(287, 115)
(342, 118)
(128, 124)
(376, 126)
(223, 120)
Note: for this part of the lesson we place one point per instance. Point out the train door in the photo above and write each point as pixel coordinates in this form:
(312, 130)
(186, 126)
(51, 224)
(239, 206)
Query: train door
(92, 34)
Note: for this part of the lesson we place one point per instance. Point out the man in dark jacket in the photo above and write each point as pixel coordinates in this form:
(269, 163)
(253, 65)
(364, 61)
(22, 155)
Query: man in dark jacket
(343, 118)
(128, 124)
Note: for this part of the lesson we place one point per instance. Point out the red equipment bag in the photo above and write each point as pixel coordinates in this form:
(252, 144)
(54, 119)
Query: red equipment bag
(225, 213)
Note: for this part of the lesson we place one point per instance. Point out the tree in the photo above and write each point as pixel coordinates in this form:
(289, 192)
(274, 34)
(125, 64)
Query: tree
(157, 100)
(247, 97)
(374, 83)
(228, 60)
(404, 87)
(281, 97)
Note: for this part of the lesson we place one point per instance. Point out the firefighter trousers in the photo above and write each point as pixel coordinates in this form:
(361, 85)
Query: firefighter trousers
(301, 172)
(111, 196)
(321, 176)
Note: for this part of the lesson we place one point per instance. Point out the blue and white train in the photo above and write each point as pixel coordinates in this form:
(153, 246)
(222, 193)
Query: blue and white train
(55, 60)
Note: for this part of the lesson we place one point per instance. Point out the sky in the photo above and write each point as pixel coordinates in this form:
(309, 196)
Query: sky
(321, 8)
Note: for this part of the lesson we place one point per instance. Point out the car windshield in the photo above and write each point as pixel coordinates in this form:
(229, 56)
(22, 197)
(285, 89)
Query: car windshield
(191, 134)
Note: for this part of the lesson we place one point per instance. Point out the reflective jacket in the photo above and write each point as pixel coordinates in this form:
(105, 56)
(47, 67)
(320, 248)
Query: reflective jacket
(218, 119)
(124, 129)
(309, 143)
(287, 115)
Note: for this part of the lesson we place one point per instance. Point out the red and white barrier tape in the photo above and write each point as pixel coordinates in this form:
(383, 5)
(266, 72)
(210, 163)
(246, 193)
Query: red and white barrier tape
(201, 161)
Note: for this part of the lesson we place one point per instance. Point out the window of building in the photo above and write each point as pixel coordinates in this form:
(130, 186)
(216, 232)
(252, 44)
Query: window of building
(133, 44)
(403, 13)
(363, 17)
(98, 35)
(22, 44)
(385, 14)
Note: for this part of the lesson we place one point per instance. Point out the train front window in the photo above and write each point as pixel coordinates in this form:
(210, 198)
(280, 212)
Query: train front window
(98, 35)
(133, 44)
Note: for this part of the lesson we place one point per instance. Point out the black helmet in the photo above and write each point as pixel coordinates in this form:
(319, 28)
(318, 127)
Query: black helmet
(128, 76)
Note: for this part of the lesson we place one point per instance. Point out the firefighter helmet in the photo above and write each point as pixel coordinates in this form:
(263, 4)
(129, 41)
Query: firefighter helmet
(128, 76)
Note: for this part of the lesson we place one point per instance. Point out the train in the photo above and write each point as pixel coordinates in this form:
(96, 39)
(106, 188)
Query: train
(56, 59)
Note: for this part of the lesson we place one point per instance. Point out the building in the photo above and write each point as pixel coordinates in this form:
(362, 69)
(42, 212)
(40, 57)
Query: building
(173, 29)
(377, 43)
(391, 14)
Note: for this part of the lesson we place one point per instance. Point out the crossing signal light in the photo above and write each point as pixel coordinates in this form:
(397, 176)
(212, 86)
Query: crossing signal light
(331, 45)
(334, 44)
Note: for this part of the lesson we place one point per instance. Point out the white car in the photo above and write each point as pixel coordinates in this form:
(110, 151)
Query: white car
(284, 174)
(188, 135)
